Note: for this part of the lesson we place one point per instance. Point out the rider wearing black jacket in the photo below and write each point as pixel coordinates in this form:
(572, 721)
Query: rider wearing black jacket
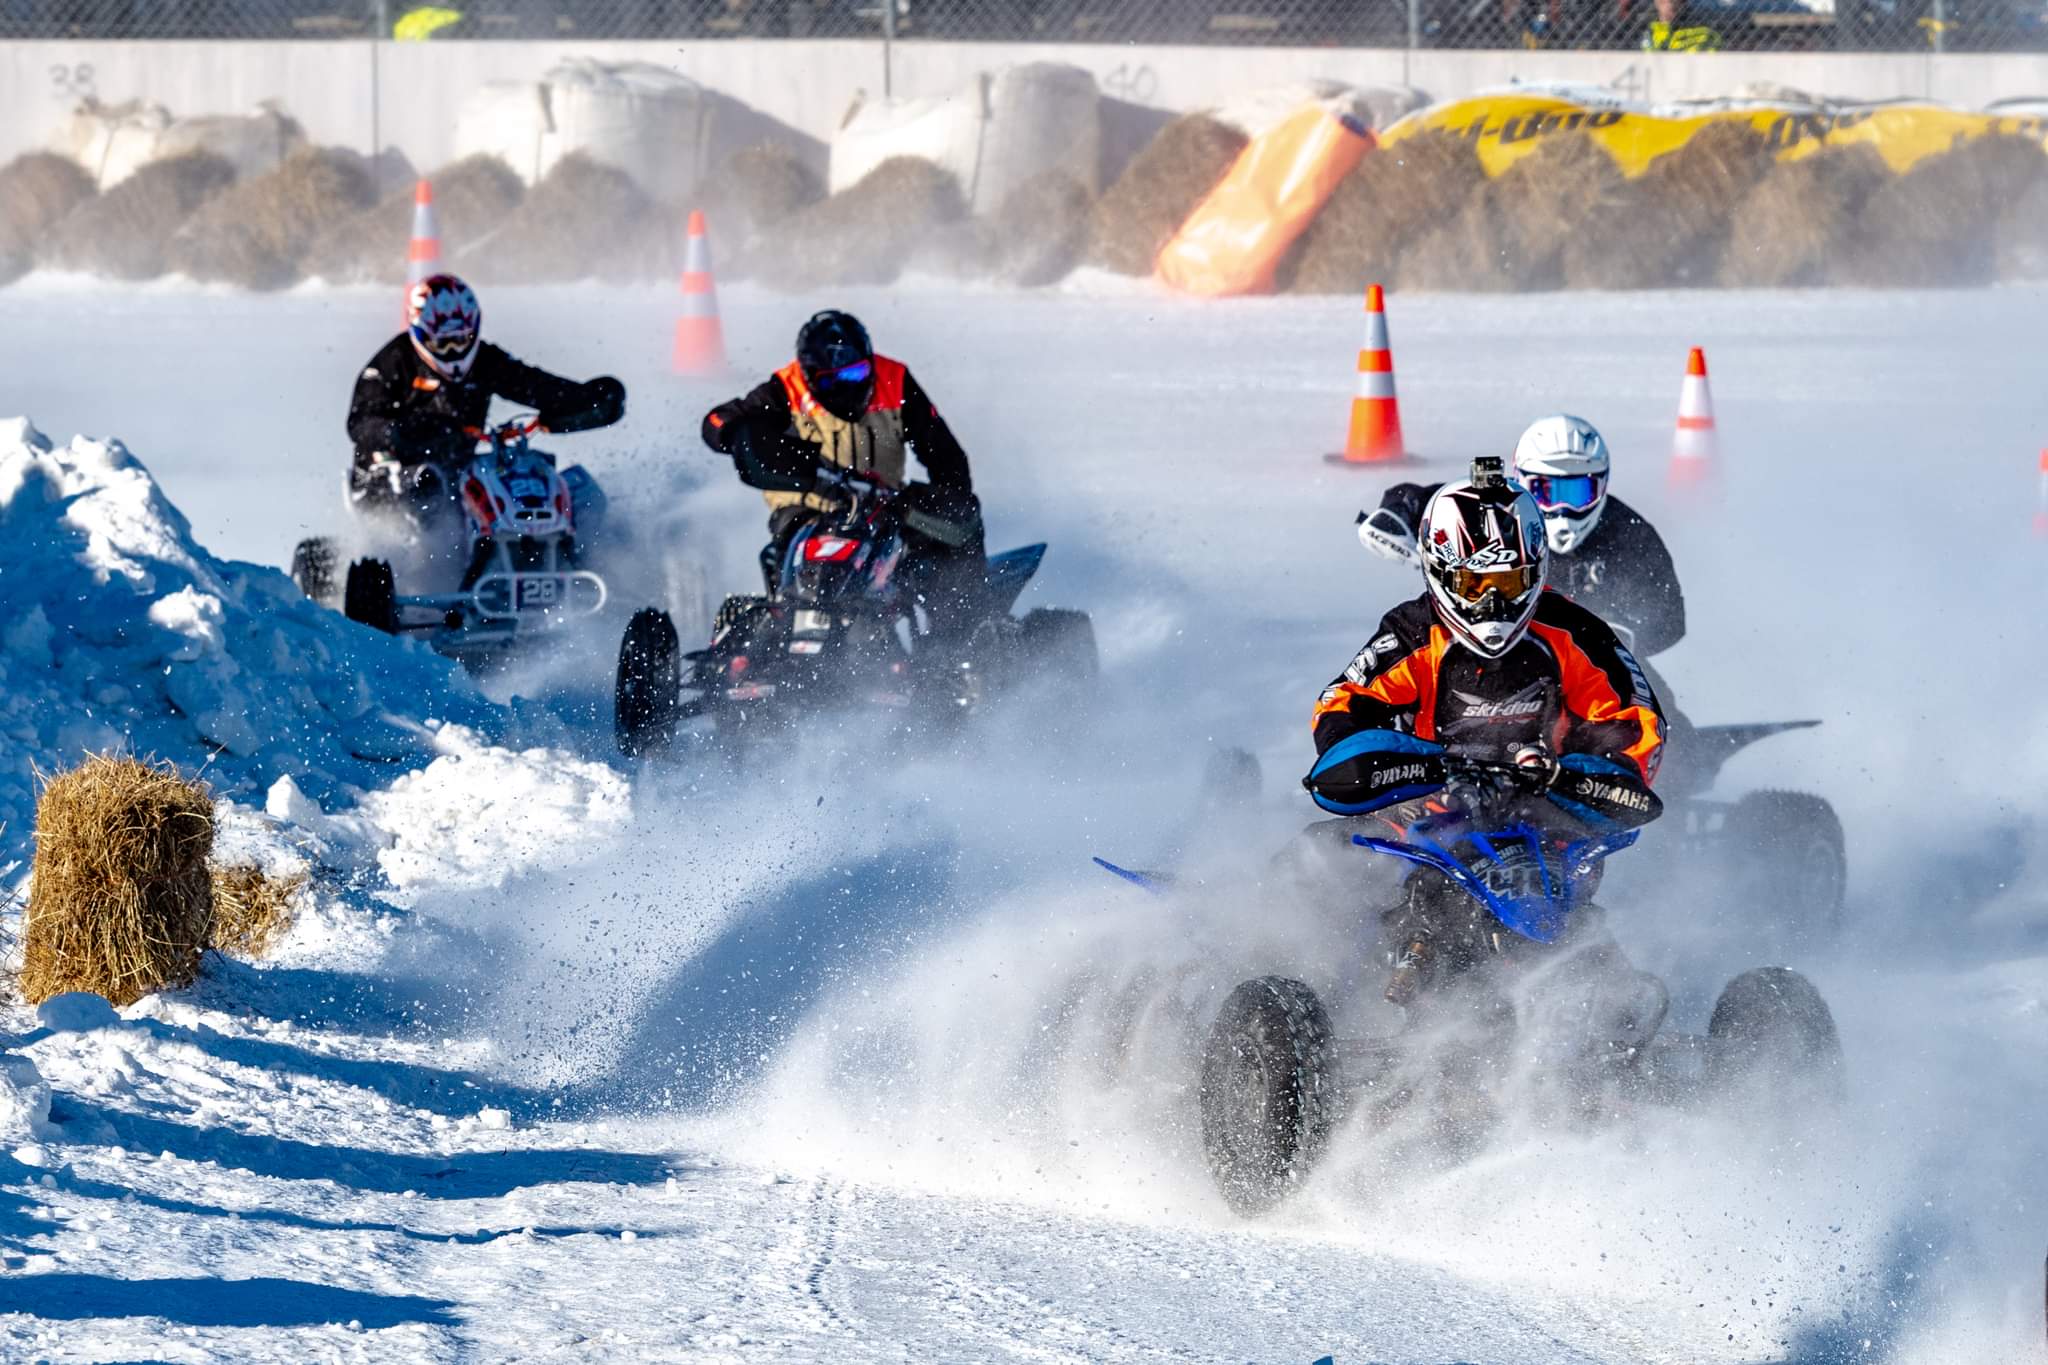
(417, 398)
(840, 404)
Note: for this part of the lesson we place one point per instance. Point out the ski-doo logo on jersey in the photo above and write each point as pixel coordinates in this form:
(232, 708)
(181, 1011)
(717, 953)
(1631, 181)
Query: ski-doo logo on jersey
(1527, 702)
(1611, 794)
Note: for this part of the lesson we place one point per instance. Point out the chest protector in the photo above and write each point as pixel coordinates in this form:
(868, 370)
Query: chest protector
(872, 445)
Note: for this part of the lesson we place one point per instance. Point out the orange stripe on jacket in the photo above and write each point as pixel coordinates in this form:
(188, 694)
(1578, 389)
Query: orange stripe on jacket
(1591, 697)
(1411, 682)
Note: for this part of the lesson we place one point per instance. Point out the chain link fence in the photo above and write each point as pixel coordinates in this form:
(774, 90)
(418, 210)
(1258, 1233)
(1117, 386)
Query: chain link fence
(1688, 25)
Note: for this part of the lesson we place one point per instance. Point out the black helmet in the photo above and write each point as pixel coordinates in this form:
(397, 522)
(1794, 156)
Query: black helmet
(838, 362)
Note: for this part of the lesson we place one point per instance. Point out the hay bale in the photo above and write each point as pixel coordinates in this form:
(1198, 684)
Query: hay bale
(473, 197)
(1797, 215)
(1669, 226)
(1471, 251)
(1542, 201)
(2020, 240)
(37, 190)
(766, 183)
(123, 233)
(121, 902)
(1146, 205)
(1396, 195)
(584, 219)
(865, 234)
(1936, 224)
(1040, 229)
(257, 232)
(252, 910)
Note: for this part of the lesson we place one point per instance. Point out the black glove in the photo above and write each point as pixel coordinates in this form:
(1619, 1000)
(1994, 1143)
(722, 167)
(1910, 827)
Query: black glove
(950, 516)
(598, 403)
(774, 459)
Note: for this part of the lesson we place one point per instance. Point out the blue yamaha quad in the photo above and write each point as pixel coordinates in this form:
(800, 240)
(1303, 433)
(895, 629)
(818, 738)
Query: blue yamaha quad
(1510, 990)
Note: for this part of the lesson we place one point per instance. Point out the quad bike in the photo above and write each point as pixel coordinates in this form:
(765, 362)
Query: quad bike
(845, 627)
(1515, 967)
(522, 574)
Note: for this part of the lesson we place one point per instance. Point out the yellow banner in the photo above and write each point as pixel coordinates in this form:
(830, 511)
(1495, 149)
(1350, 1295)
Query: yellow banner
(1506, 128)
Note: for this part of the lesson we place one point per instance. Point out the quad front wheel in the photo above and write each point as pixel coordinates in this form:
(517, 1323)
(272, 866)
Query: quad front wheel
(1269, 1091)
(313, 569)
(650, 683)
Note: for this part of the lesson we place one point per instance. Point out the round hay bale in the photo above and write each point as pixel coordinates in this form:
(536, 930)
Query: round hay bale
(1141, 211)
(121, 901)
(1040, 229)
(123, 233)
(1397, 193)
(1797, 215)
(1935, 225)
(37, 190)
(1541, 202)
(1471, 251)
(257, 232)
(766, 183)
(586, 218)
(866, 233)
(2020, 241)
(473, 198)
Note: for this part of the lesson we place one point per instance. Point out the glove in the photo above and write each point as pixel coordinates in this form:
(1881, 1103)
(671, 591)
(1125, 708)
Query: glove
(1536, 761)
(775, 459)
(951, 516)
(598, 403)
(427, 482)
(1387, 534)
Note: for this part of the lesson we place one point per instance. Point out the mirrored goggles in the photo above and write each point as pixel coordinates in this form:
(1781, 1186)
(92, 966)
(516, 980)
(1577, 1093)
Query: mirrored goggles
(447, 345)
(845, 376)
(1471, 585)
(1580, 492)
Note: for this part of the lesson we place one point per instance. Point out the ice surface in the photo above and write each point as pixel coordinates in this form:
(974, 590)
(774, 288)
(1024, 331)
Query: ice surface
(833, 1044)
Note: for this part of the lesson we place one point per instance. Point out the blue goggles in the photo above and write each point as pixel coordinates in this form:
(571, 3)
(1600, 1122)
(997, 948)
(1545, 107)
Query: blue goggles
(1576, 491)
(844, 376)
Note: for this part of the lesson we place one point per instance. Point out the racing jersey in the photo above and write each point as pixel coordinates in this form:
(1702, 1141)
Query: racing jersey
(1568, 685)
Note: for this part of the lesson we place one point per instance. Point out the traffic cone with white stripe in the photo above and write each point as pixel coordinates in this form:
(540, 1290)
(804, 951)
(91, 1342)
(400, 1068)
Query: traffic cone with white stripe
(1694, 446)
(423, 253)
(2041, 500)
(1375, 433)
(700, 338)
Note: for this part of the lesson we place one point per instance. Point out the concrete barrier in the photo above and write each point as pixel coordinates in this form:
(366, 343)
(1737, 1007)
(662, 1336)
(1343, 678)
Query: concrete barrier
(405, 95)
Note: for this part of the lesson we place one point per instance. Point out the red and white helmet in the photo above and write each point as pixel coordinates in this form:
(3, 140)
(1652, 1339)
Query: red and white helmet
(446, 324)
(1484, 556)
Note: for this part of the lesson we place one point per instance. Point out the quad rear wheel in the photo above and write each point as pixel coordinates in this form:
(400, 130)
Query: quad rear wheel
(1269, 1091)
(650, 683)
(1794, 860)
(1771, 1029)
(370, 595)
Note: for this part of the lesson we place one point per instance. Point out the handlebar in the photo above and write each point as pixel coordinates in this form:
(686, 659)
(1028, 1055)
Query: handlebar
(1469, 782)
(517, 428)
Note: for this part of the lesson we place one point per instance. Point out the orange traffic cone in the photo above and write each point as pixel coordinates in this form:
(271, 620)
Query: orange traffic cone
(423, 253)
(1375, 434)
(2041, 500)
(700, 340)
(1694, 447)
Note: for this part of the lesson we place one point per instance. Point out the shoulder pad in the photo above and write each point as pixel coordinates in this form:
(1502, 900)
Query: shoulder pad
(1402, 631)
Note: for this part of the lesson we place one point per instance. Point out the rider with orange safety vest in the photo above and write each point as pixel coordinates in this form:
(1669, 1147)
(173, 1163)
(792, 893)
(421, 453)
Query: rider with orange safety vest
(839, 404)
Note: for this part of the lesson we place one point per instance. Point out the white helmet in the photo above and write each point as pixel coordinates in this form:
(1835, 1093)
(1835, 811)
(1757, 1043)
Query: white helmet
(1563, 463)
(1484, 556)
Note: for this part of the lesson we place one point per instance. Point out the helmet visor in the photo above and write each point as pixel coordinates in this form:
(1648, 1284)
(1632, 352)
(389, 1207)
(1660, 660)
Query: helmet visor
(449, 343)
(1578, 492)
(845, 377)
(1512, 585)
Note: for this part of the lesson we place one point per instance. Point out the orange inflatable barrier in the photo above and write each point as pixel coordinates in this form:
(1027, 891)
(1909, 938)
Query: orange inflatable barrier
(1233, 241)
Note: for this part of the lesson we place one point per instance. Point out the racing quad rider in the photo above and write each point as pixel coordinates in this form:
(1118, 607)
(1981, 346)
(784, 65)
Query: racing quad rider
(418, 398)
(1604, 556)
(1488, 664)
(839, 404)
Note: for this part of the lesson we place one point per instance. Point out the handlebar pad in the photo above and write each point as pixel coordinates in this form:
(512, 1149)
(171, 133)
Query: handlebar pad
(1603, 793)
(1374, 769)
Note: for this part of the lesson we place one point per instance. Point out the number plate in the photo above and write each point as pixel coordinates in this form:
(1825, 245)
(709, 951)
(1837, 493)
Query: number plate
(539, 592)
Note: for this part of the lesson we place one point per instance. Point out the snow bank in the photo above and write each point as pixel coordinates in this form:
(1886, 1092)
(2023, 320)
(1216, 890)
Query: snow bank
(118, 631)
